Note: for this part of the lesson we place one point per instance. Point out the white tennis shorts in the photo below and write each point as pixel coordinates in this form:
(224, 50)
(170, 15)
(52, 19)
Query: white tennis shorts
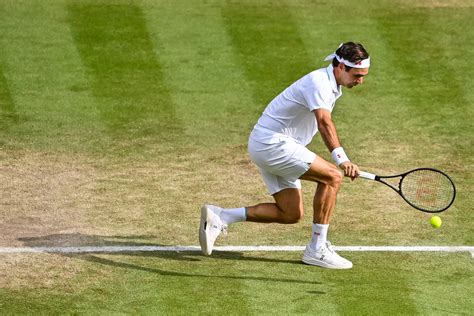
(281, 160)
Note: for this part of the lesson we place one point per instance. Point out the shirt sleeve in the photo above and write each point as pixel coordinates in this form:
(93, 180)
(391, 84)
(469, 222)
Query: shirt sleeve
(318, 95)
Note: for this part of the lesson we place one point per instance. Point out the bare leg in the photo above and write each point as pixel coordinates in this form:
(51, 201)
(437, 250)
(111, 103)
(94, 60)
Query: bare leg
(287, 209)
(329, 180)
(288, 206)
(323, 203)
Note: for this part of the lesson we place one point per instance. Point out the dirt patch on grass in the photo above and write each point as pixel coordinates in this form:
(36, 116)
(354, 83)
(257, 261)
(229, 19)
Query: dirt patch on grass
(54, 197)
(41, 194)
(53, 200)
(58, 200)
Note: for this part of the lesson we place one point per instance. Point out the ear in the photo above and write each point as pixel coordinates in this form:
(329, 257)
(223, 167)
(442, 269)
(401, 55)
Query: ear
(341, 66)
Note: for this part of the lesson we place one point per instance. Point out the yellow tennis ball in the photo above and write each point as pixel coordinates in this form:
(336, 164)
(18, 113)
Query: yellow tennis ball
(436, 222)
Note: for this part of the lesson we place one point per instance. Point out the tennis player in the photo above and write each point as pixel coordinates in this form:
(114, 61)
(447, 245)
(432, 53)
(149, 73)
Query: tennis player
(277, 145)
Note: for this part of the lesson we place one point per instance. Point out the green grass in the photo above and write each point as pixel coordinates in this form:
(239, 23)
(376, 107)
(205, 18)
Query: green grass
(119, 119)
(254, 283)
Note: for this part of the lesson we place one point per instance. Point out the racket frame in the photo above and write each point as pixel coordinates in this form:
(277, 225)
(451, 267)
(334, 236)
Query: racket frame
(374, 177)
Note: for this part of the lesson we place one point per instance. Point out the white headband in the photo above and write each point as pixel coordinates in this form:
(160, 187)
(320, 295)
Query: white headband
(364, 63)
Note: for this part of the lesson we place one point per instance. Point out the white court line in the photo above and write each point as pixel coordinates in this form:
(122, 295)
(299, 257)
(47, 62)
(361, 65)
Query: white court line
(118, 249)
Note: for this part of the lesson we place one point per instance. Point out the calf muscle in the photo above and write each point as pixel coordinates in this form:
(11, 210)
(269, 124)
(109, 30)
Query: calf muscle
(287, 209)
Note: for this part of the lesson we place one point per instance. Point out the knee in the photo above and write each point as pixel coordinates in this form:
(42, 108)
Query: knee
(292, 216)
(335, 178)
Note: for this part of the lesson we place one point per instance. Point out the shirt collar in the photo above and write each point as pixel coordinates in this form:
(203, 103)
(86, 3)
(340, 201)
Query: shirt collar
(335, 87)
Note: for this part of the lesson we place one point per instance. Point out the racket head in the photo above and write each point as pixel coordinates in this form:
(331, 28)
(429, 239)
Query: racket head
(428, 190)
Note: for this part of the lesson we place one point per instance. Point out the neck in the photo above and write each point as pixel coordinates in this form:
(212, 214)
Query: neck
(336, 71)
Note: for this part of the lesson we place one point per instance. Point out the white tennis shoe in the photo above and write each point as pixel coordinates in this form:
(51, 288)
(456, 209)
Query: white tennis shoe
(210, 228)
(325, 257)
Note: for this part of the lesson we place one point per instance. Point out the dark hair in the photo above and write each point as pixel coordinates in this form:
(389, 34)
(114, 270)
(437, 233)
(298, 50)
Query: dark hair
(352, 52)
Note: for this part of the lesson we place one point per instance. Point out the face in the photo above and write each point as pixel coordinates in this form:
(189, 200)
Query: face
(350, 78)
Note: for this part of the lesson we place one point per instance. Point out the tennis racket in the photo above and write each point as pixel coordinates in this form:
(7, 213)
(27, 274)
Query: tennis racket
(426, 189)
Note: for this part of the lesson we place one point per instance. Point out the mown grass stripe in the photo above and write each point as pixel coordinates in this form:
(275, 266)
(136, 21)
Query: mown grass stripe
(209, 90)
(7, 106)
(126, 78)
(8, 113)
(431, 71)
(44, 78)
(268, 46)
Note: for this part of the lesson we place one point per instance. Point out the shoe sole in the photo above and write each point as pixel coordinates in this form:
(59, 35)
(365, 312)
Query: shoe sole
(324, 264)
(206, 248)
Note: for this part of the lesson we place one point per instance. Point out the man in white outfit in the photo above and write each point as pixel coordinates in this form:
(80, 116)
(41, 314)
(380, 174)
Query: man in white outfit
(277, 145)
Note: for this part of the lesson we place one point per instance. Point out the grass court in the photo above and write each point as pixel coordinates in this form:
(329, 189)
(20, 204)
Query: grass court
(119, 119)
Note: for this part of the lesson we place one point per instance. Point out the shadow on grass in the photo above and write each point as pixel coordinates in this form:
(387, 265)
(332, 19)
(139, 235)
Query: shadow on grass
(81, 240)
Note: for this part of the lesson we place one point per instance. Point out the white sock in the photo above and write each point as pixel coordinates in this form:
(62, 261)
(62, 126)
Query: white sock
(319, 236)
(233, 215)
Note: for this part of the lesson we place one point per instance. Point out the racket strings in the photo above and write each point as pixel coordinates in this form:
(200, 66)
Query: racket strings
(428, 189)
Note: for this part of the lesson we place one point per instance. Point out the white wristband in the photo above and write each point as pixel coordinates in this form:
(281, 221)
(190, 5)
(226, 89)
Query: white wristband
(339, 155)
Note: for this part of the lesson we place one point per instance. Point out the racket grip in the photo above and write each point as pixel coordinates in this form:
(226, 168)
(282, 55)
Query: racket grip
(367, 175)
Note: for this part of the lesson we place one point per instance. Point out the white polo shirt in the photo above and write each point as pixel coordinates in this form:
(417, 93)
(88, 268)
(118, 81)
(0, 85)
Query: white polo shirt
(290, 113)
